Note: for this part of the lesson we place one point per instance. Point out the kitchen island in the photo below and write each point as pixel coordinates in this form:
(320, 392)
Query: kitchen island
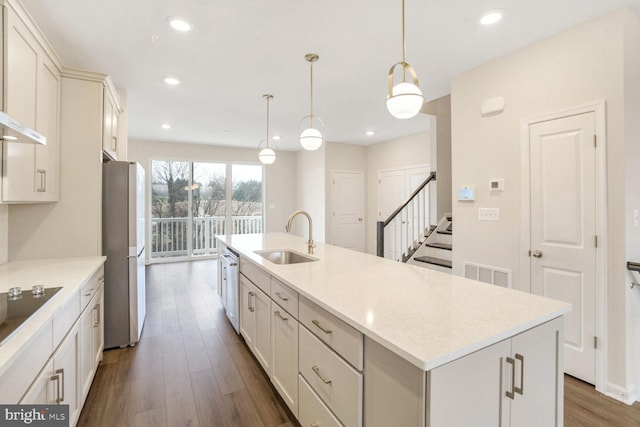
(418, 343)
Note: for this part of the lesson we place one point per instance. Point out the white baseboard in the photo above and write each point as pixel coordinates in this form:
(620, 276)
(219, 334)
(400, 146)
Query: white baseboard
(627, 396)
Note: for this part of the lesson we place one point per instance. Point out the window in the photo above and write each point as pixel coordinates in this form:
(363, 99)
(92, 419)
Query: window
(192, 202)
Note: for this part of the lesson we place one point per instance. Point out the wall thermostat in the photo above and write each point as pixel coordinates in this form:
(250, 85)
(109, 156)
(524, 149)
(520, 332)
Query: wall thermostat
(496, 185)
(466, 194)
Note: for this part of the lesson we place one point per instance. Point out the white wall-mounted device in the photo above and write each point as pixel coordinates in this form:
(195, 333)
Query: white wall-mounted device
(496, 184)
(466, 194)
(492, 106)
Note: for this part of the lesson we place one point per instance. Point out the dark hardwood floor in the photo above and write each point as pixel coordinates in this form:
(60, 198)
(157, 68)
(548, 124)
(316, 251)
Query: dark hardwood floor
(191, 369)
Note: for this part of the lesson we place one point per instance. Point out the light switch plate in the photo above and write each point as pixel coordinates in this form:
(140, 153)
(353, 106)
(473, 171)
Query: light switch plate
(489, 214)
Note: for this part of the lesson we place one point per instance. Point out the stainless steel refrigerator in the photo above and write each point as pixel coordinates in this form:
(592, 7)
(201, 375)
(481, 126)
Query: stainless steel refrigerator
(123, 243)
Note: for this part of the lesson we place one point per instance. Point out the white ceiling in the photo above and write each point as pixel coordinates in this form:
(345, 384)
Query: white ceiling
(242, 49)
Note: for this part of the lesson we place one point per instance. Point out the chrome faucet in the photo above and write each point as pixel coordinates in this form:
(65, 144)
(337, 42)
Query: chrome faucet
(310, 243)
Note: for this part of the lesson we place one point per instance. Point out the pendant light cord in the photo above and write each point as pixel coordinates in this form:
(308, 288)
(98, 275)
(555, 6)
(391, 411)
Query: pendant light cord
(404, 49)
(311, 97)
(268, 98)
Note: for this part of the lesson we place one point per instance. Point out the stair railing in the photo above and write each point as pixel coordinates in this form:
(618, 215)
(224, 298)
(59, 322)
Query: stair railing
(407, 224)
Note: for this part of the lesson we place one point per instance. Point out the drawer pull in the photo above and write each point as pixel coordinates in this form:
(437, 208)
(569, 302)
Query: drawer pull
(317, 323)
(251, 309)
(520, 390)
(89, 292)
(281, 297)
(510, 393)
(280, 316)
(317, 371)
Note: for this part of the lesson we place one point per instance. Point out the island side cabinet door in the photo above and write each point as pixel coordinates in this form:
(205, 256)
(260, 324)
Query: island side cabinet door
(469, 391)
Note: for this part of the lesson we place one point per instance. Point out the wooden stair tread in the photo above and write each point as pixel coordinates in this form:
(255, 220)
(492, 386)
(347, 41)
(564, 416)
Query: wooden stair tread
(435, 261)
(439, 245)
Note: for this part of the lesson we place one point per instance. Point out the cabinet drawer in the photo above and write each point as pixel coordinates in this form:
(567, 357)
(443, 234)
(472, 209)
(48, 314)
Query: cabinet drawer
(334, 381)
(259, 277)
(312, 411)
(90, 287)
(284, 296)
(341, 337)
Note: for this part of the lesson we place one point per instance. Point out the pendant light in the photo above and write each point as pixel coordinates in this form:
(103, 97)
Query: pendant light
(404, 99)
(267, 156)
(311, 138)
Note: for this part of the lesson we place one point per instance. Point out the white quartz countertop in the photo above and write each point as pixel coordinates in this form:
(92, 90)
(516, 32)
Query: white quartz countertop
(427, 317)
(69, 274)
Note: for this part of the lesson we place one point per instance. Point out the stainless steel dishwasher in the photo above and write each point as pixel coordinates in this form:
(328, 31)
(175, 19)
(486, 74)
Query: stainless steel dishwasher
(230, 278)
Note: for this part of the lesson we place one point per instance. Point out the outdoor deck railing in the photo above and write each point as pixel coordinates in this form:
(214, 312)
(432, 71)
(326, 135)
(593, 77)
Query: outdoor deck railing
(170, 236)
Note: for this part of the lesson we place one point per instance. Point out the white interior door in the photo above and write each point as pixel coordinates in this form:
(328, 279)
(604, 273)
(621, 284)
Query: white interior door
(563, 229)
(348, 207)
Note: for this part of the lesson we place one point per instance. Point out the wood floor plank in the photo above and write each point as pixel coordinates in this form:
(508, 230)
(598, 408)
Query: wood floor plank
(152, 418)
(210, 403)
(179, 400)
(240, 405)
(227, 375)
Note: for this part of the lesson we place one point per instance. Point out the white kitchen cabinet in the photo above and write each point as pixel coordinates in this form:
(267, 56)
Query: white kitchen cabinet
(255, 321)
(313, 412)
(31, 96)
(512, 383)
(57, 382)
(110, 123)
(284, 343)
(91, 342)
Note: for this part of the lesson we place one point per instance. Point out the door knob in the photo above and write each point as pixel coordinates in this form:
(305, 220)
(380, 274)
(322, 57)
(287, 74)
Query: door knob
(536, 254)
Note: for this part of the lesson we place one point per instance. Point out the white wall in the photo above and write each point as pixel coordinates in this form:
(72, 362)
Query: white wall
(341, 157)
(579, 66)
(280, 177)
(398, 153)
(310, 192)
(632, 186)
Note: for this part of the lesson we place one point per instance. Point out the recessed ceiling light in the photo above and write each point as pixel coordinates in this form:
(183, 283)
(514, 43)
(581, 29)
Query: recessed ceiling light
(276, 137)
(226, 132)
(165, 126)
(370, 133)
(491, 17)
(179, 24)
(171, 81)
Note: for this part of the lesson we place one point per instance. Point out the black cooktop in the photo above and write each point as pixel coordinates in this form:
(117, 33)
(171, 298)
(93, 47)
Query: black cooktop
(16, 308)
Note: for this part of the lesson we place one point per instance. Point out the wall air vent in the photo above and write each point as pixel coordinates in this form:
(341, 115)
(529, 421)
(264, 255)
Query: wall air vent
(486, 274)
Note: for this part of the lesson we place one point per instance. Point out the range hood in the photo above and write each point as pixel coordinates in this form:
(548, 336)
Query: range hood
(14, 131)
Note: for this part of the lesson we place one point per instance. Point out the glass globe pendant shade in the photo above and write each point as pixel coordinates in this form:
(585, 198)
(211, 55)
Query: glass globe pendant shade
(405, 101)
(311, 139)
(267, 156)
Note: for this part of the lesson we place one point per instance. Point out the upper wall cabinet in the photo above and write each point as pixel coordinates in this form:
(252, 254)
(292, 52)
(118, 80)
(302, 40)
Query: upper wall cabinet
(111, 143)
(31, 95)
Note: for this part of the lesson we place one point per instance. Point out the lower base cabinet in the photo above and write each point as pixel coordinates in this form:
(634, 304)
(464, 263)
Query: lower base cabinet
(57, 382)
(284, 363)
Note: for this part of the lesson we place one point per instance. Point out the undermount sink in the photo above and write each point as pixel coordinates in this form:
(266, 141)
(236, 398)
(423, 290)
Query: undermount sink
(284, 256)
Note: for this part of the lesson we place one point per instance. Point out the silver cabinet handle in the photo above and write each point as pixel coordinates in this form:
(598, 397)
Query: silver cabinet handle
(249, 295)
(56, 378)
(96, 308)
(42, 187)
(520, 390)
(89, 292)
(281, 297)
(277, 313)
(230, 260)
(536, 254)
(114, 143)
(510, 394)
(60, 372)
(317, 323)
(317, 371)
